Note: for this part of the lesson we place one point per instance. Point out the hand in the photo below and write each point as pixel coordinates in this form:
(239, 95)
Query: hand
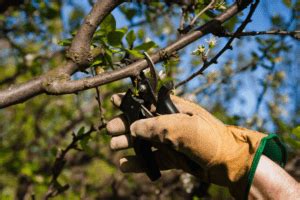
(223, 153)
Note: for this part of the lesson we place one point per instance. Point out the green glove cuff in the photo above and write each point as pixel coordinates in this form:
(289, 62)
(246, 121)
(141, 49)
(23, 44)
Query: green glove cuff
(273, 148)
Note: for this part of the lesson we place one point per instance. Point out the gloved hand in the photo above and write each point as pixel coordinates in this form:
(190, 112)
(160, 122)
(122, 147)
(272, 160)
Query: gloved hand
(224, 154)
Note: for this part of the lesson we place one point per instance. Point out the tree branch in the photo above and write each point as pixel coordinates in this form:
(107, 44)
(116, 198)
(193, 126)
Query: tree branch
(79, 47)
(295, 34)
(209, 6)
(226, 47)
(57, 81)
(79, 50)
(21, 92)
(55, 188)
(67, 87)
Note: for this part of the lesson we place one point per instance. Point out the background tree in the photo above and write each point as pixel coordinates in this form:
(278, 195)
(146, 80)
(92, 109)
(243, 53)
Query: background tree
(55, 55)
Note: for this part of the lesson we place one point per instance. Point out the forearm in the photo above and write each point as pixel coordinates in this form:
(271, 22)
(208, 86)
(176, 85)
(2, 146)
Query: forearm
(272, 182)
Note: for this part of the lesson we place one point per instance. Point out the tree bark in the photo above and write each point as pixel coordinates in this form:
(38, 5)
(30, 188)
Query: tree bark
(58, 81)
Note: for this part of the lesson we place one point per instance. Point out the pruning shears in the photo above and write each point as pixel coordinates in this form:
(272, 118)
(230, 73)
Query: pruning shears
(137, 105)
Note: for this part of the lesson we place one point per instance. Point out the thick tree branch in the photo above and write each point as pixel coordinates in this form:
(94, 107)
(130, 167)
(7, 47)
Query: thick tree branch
(79, 50)
(20, 93)
(60, 84)
(79, 47)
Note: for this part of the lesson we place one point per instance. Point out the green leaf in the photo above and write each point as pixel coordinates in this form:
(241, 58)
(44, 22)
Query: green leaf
(135, 53)
(293, 143)
(145, 46)
(129, 12)
(277, 20)
(296, 132)
(81, 131)
(108, 57)
(99, 33)
(123, 29)
(130, 38)
(84, 145)
(97, 62)
(114, 38)
(65, 42)
(141, 34)
(27, 170)
(109, 23)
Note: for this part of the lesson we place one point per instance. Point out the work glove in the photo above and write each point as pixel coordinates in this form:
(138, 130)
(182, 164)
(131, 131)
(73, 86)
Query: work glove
(223, 154)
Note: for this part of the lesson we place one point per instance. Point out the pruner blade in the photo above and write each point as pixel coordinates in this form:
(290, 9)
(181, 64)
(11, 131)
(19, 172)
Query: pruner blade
(153, 73)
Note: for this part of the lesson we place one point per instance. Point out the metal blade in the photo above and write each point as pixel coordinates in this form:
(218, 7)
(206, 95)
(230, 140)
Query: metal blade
(153, 73)
(146, 112)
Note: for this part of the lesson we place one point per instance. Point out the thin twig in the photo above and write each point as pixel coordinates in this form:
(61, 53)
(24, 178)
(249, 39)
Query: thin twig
(226, 47)
(99, 100)
(250, 65)
(209, 6)
(55, 188)
(181, 25)
(295, 34)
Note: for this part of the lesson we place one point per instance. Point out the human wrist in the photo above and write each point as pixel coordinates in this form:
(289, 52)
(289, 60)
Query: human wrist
(252, 145)
(239, 149)
(272, 148)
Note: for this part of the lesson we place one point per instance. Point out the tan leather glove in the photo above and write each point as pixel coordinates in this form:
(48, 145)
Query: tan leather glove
(224, 153)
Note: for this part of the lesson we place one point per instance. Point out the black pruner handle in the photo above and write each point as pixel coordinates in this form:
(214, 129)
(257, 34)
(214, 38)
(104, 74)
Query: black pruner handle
(164, 102)
(131, 108)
